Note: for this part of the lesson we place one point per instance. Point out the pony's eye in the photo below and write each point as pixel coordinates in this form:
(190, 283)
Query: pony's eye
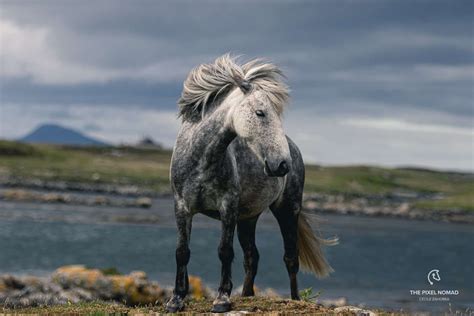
(260, 113)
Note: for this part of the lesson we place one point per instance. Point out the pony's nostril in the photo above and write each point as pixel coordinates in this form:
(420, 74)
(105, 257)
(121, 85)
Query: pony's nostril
(283, 167)
(279, 171)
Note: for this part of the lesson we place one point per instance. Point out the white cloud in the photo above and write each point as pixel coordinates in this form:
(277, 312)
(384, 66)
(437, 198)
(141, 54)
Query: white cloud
(415, 74)
(26, 52)
(379, 141)
(404, 126)
(29, 52)
(445, 72)
(399, 37)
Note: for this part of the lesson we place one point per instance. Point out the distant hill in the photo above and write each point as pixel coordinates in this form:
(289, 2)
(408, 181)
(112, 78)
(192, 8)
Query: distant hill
(59, 135)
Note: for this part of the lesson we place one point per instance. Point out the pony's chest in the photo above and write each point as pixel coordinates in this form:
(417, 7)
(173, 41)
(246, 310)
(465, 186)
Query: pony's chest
(208, 194)
(258, 194)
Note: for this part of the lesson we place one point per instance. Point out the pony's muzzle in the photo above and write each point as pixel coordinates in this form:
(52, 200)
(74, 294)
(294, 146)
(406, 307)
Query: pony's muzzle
(282, 169)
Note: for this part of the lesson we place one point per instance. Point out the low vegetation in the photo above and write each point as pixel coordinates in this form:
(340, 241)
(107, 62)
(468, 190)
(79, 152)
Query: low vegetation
(254, 305)
(149, 169)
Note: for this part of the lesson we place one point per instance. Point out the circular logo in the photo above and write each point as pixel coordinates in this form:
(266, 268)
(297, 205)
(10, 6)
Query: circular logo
(433, 275)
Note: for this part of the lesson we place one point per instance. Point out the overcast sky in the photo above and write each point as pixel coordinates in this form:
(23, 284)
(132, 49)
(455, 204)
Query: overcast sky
(373, 82)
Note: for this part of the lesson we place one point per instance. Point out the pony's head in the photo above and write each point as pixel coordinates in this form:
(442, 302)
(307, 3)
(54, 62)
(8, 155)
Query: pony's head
(256, 120)
(255, 97)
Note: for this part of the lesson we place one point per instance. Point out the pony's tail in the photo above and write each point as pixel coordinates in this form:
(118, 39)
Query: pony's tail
(309, 245)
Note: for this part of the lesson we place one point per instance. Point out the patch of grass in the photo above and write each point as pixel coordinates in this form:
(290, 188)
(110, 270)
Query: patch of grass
(376, 180)
(307, 295)
(8, 148)
(458, 188)
(350, 179)
(456, 201)
(121, 166)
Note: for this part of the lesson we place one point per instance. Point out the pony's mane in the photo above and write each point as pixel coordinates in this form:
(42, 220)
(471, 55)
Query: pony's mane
(208, 84)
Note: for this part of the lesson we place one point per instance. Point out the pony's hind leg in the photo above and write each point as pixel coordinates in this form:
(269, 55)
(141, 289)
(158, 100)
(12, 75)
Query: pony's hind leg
(288, 222)
(246, 234)
(222, 302)
(183, 222)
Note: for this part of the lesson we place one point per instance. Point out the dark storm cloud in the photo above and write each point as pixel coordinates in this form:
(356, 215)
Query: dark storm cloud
(112, 93)
(311, 39)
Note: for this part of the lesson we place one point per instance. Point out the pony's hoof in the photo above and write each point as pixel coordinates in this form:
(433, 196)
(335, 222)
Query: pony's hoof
(175, 304)
(221, 304)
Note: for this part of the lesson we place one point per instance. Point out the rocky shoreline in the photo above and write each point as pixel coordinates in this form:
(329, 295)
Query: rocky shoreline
(94, 199)
(78, 284)
(400, 205)
(78, 187)
(397, 204)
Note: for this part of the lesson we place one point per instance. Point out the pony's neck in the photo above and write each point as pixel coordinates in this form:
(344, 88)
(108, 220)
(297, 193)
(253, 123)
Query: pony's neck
(212, 137)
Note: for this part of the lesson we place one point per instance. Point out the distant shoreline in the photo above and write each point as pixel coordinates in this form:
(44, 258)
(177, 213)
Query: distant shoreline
(134, 176)
(396, 205)
(386, 205)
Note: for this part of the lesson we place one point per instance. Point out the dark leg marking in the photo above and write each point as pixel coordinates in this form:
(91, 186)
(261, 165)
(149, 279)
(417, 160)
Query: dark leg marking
(288, 222)
(181, 288)
(246, 234)
(226, 254)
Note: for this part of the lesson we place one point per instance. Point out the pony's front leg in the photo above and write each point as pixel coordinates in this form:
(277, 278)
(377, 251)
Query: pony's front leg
(246, 234)
(288, 222)
(183, 222)
(222, 302)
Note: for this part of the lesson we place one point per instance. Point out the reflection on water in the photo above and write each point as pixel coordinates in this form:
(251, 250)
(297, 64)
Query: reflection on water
(377, 262)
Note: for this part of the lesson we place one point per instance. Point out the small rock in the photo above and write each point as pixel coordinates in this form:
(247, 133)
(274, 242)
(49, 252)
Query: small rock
(356, 310)
(101, 200)
(138, 275)
(144, 202)
(338, 302)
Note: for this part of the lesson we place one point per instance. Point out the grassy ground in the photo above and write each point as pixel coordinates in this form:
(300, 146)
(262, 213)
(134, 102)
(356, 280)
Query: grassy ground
(254, 305)
(145, 168)
(150, 169)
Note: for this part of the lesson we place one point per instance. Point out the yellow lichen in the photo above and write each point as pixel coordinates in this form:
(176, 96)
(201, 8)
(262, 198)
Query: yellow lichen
(196, 287)
(133, 289)
(86, 277)
(121, 283)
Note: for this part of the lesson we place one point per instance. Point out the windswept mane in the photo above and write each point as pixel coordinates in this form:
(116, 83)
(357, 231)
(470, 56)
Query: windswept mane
(207, 84)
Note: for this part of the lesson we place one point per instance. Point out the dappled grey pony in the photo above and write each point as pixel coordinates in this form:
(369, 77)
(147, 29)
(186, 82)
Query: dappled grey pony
(232, 161)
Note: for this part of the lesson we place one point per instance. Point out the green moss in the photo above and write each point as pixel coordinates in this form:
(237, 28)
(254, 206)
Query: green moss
(110, 271)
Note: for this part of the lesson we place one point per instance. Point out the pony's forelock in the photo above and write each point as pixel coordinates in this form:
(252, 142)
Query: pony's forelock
(207, 84)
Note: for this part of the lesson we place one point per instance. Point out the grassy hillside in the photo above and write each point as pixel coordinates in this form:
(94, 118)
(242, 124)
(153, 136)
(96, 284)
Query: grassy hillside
(121, 165)
(149, 168)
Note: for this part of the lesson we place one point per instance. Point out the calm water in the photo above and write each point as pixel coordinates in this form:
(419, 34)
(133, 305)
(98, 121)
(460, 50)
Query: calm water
(377, 262)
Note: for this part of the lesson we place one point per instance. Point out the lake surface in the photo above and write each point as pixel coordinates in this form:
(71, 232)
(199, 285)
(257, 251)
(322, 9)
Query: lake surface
(377, 263)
